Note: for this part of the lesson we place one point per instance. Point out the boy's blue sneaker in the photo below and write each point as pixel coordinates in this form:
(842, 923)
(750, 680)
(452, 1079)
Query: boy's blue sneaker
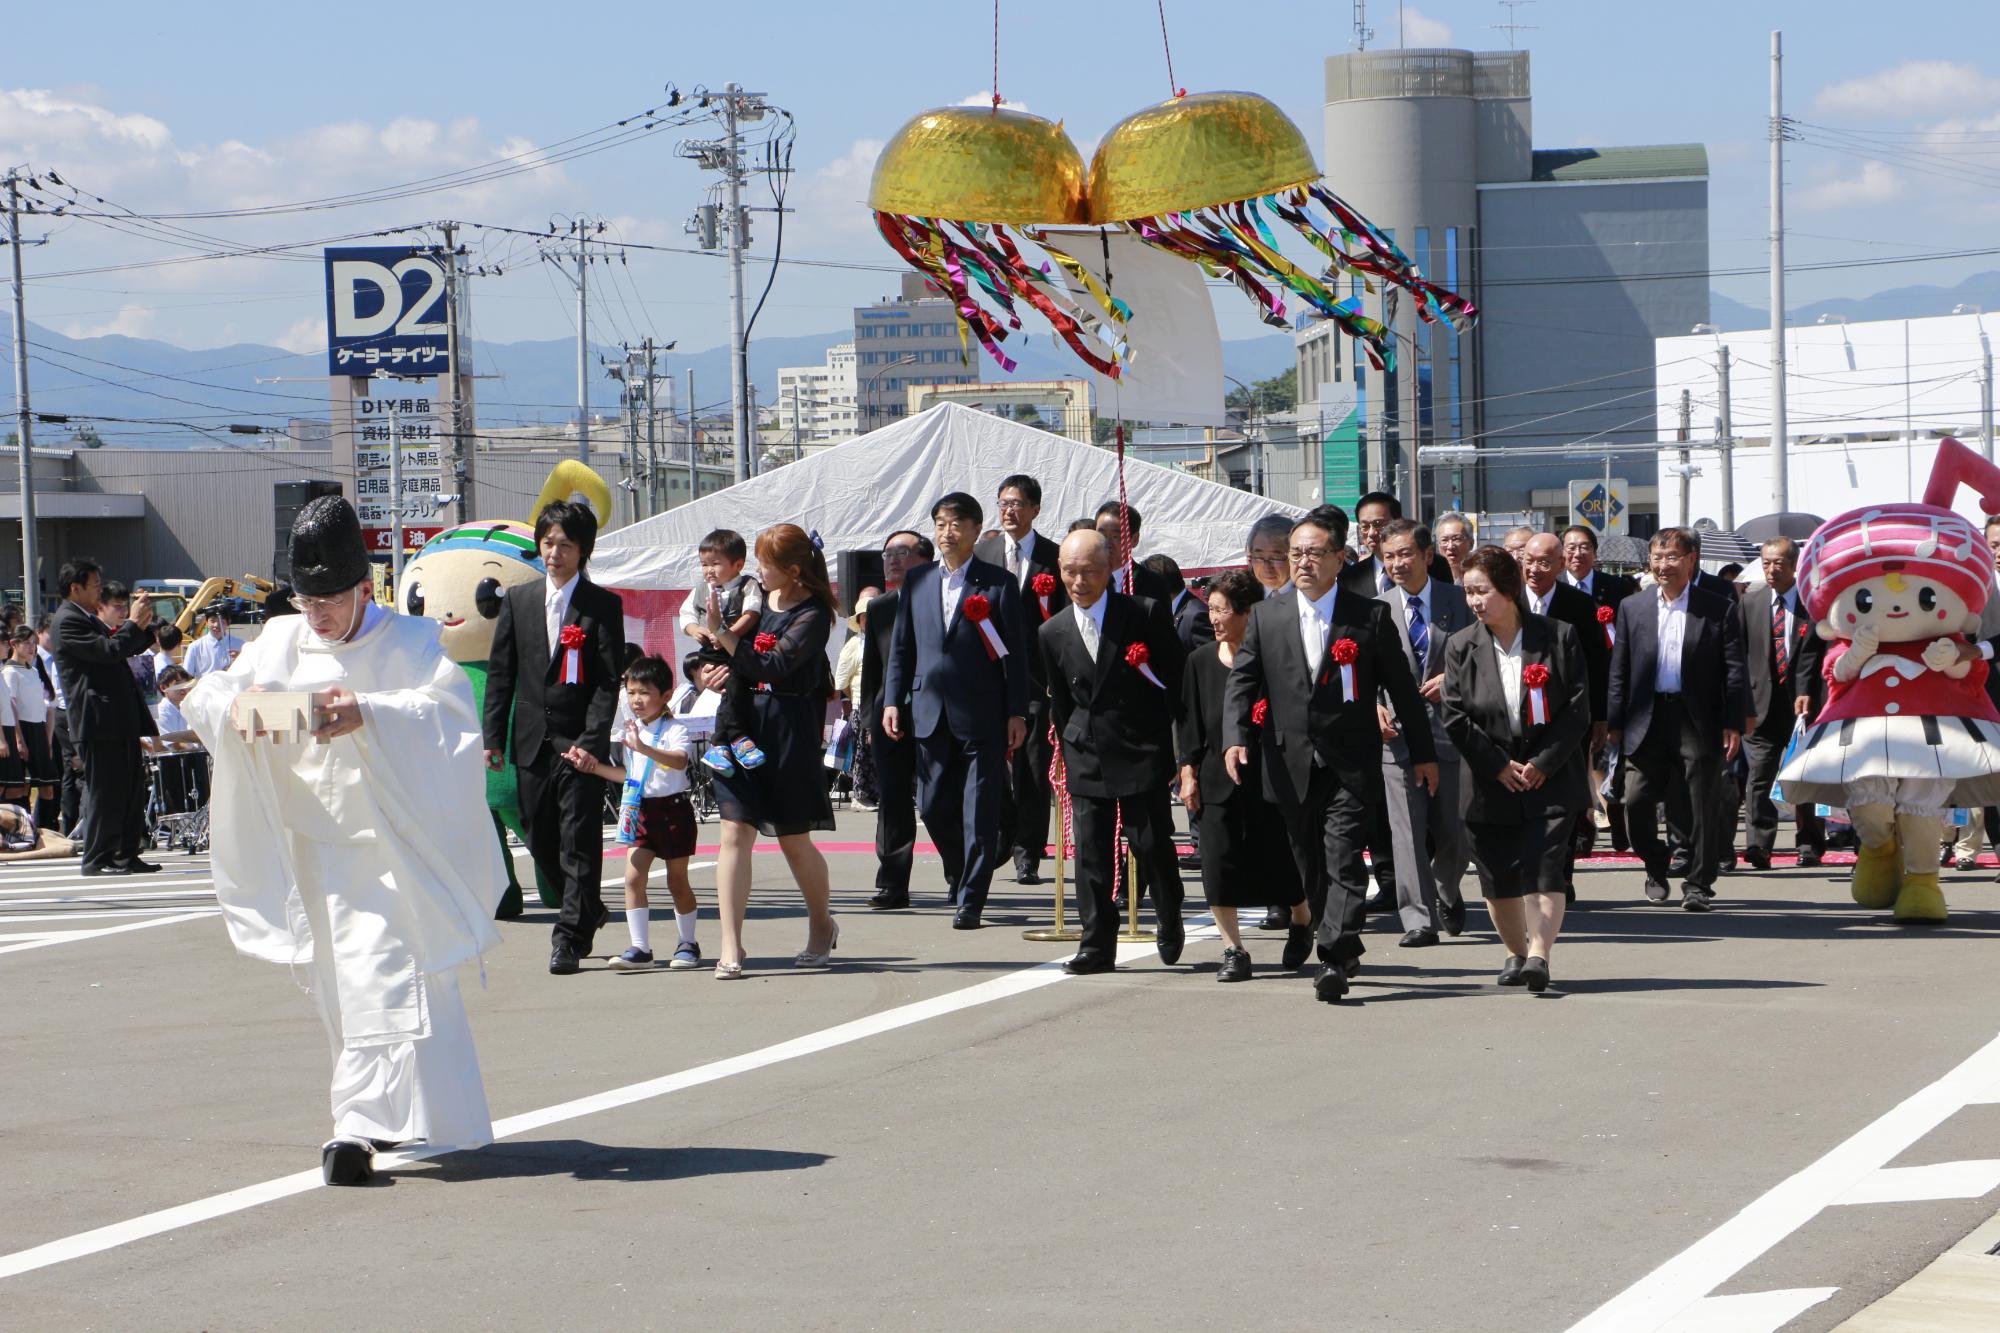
(721, 758)
(687, 955)
(747, 753)
(633, 959)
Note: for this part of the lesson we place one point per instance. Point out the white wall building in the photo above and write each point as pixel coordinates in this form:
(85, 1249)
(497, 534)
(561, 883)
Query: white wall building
(816, 404)
(1865, 405)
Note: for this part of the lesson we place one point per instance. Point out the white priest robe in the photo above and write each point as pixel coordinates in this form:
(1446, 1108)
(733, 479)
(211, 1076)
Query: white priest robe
(369, 858)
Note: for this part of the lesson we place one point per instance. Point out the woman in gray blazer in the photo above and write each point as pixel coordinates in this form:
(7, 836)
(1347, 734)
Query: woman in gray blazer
(1517, 705)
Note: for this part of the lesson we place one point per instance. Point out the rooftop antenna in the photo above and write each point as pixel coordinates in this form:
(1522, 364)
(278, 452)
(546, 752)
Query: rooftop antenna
(1513, 24)
(1363, 34)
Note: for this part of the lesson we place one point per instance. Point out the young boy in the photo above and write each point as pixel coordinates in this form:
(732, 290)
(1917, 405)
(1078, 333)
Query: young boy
(738, 600)
(656, 756)
(29, 695)
(183, 775)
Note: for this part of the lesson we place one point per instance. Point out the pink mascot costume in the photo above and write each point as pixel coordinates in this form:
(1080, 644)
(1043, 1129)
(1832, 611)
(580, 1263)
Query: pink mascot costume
(1908, 731)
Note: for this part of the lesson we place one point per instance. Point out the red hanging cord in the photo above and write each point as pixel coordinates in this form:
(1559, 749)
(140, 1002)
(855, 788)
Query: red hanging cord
(1165, 45)
(996, 55)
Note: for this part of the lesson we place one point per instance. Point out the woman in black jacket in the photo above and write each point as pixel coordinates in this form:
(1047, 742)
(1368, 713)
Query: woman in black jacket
(1517, 705)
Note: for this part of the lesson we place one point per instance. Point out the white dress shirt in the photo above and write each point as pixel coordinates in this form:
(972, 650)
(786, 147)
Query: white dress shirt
(555, 607)
(209, 653)
(1539, 602)
(1315, 623)
(1018, 555)
(1090, 624)
(1583, 584)
(951, 585)
(1508, 655)
(1423, 600)
(55, 677)
(1672, 623)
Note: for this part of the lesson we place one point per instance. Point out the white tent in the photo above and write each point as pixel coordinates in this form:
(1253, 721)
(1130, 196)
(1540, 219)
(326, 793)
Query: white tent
(855, 494)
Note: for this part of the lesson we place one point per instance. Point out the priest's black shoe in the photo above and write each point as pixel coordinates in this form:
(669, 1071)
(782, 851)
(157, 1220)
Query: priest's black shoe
(105, 870)
(1510, 971)
(1170, 938)
(966, 918)
(562, 963)
(1421, 938)
(347, 1162)
(1298, 947)
(1087, 964)
(1331, 983)
(137, 867)
(1235, 966)
(1276, 919)
(1535, 974)
(889, 900)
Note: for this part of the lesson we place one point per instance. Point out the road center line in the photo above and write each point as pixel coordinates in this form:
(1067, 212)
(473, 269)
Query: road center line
(104, 1238)
(1675, 1286)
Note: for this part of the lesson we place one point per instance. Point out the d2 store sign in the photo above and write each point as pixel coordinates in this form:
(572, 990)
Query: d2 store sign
(385, 310)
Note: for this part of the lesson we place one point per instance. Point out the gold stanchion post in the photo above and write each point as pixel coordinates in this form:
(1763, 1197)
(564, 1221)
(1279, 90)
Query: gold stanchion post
(1060, 931)
(1133, 935)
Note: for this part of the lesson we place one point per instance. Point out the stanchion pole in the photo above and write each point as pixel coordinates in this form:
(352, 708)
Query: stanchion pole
(1133, 935)
(1060, 931)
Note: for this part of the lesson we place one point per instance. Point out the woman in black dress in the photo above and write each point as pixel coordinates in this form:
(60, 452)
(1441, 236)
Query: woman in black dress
(1246, 860)
(780, 684)
(1517, 705)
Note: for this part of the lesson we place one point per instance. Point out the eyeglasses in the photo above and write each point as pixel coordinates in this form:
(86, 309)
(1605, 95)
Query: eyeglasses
(1008, 506)
(311, 604)
(1310, 554)
(1267, 559)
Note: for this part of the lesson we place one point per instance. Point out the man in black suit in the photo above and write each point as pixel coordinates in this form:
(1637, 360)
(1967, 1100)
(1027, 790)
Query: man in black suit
(1114, 669)
(553, 683)
(1321, 657)
(106, 718)
(958, 654)
(1783, 656)
(1145, 583)
(895, 756)
(1366, 576)
(1607, 590)
(1677, 705)
(1188, 612)
(1026, 555)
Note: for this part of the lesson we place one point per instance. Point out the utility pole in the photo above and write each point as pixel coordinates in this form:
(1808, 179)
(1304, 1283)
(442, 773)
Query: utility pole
(1686, 468)
(652, 442)
(1725, 436)
(396, 500)
(31, 591)
(1780, 441)
(580, 228)
(1985, 392)
(694, 470)
(461, 460)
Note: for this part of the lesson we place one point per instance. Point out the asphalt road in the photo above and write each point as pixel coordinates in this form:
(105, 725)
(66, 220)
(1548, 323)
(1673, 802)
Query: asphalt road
(935, 1134)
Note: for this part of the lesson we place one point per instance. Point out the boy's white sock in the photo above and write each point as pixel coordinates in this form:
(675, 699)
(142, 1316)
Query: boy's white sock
(641, 922)
(685, 920)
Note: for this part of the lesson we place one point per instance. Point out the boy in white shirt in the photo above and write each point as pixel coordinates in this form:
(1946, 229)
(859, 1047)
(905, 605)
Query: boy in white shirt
(28, 695)
(656, 760)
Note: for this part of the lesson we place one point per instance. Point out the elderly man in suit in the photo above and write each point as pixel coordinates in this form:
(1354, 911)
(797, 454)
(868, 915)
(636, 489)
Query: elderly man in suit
(1677, 706)
(106, 718)
(1318, 657)
(1426, 827)
(959, 655)
(1783, 658)
(1113, 665)
(1606, 589)
(1030, 559)
(895, 757)
(553, 684)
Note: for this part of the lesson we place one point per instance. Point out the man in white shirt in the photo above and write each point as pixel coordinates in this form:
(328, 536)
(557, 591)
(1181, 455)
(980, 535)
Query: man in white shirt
(1026, 555)
(68, 760)
(215, 649)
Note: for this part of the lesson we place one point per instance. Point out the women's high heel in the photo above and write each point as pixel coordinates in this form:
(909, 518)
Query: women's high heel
(807, 958)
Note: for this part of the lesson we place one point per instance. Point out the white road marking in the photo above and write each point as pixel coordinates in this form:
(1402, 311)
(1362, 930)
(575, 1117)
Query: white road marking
(87, 898)
(1675, 1287)
(1916, 1184)
(104, 1238)
(1750, 1312)
(10, 919)
(97, 887)
(74, 936)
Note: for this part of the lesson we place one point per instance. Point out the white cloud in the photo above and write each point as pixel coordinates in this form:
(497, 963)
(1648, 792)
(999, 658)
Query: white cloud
(131, 321)
(1872, 184)
(1911, 91)
(1421, 30)
(306, 336)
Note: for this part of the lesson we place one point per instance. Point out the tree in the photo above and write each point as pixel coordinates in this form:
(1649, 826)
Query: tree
(1280, 393)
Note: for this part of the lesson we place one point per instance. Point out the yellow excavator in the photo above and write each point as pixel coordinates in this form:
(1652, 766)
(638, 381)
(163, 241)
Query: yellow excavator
(250, 588)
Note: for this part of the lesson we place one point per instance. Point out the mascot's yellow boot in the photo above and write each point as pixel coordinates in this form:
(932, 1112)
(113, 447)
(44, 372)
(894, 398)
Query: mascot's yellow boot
(1920, 899)
(1878, 866)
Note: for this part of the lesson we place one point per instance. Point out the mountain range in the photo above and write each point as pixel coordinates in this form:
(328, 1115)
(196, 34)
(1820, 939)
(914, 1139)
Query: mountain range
(163, 396)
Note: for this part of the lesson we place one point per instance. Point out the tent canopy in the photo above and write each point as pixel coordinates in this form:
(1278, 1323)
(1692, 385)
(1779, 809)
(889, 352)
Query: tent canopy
(856, 493)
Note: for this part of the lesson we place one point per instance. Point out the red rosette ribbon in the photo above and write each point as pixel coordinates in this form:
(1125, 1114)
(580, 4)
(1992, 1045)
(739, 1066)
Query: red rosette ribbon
(1139, 657)
(764, 643)
(1044, 585)
(1536, 677)
(1344, 654)
(1607, 618)
(571, 639)
(1345, 651)
(1260, 712)
(979, 611)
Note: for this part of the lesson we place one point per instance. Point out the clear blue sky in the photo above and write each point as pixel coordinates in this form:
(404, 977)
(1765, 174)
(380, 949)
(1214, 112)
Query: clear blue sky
(266, 103)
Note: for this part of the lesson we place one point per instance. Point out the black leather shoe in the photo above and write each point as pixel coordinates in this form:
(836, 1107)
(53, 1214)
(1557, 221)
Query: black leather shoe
(1510, 971)
(1277, 918)
(1298, 947)
(105, 870)
(1235, 966)
(1170, 937)
(1351, 968)
(1330, 986)
(1088, 964)
(1025, 871)
(346, 1162)
(1757, 860)
(1656, 889)
(1535, 974)
(1421, 938)
(1807, 860)
(1697, 900)
(888, 901)
(1452, 920)
(966, 918)
(137, 867)
(562, 963)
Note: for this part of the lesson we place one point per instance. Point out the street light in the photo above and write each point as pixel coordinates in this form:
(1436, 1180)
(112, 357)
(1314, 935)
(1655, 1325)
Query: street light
(907, 359)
